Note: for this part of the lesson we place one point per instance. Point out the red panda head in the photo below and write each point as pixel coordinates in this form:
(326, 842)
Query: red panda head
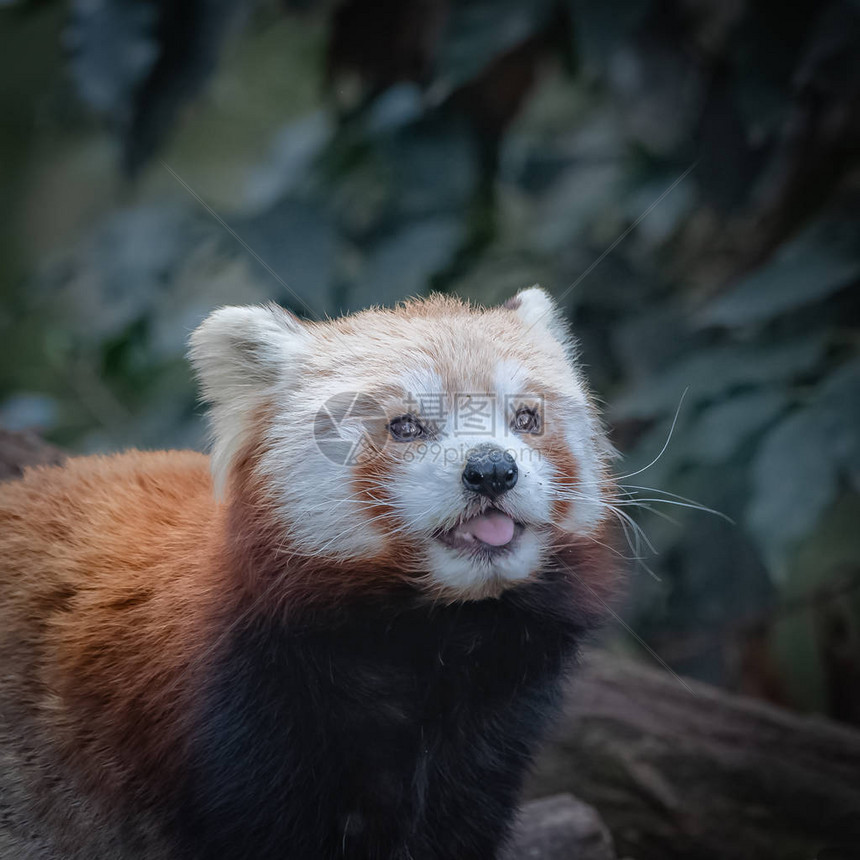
(452, 446)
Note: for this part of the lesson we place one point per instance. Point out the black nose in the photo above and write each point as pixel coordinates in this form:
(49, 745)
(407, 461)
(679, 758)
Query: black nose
(489, 471)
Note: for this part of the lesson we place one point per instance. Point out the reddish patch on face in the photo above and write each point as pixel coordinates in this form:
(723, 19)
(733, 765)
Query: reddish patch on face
(370, 476)
(371, 479)
(565, 482)
(554, 447)
(283, 580)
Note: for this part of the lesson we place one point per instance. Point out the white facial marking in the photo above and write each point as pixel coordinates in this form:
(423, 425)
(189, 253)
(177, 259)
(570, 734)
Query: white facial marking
(475, 577)
(587, 511)
(429, 494)
(262, 364)
(314, 491)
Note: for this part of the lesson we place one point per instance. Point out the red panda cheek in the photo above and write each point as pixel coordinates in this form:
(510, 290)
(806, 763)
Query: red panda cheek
(554, 449)
(371, 480)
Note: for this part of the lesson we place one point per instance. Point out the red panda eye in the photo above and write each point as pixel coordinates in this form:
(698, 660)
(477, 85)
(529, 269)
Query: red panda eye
(405, 428)
(526, 420)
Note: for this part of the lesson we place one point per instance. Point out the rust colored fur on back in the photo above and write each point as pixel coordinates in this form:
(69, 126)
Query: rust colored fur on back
(109, 570)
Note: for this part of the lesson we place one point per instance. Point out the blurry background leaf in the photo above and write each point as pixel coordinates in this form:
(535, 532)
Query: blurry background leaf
(804, 271)
(478, 31)
(723, 428)
(839, 402)
(720, 370)
(600, 28)
(112, 48)
(794, 480)
(139, 60)
(403, 263)
(297, 239)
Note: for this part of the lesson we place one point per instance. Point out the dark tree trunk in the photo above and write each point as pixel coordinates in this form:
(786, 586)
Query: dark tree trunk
(699, 774)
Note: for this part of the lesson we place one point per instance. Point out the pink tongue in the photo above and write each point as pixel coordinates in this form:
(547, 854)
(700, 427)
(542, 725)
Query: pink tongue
(494, 528)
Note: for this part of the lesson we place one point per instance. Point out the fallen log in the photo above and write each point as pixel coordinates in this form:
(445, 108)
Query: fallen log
(560, 828)
(683, 771)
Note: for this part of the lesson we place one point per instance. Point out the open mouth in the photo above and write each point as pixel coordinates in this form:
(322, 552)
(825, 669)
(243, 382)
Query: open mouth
(489, 533)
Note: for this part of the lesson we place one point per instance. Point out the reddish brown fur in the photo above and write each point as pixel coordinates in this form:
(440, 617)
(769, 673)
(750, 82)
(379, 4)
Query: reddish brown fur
(105, 560)
(589, 562)
(122, 576)
(122, 573)
(109, 568)
(273, 577)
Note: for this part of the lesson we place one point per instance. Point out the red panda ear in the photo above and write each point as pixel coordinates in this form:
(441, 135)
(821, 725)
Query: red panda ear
(241, 356)
(539, 313)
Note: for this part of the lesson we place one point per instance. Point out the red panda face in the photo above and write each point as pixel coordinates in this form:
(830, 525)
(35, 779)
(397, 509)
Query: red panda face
(456, 446)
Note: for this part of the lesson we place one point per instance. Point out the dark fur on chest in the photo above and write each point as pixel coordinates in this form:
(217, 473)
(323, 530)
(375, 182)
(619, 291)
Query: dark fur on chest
(390, 729)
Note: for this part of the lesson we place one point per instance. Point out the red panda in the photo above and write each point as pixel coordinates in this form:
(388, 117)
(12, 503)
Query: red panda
(342, 634)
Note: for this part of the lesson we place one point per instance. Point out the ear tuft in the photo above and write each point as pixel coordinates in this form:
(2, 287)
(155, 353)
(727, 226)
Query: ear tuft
(537, 310)
(237, 348)
(241, 355)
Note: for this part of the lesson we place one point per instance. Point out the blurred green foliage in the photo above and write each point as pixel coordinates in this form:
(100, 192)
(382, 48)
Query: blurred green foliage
(682, 176)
